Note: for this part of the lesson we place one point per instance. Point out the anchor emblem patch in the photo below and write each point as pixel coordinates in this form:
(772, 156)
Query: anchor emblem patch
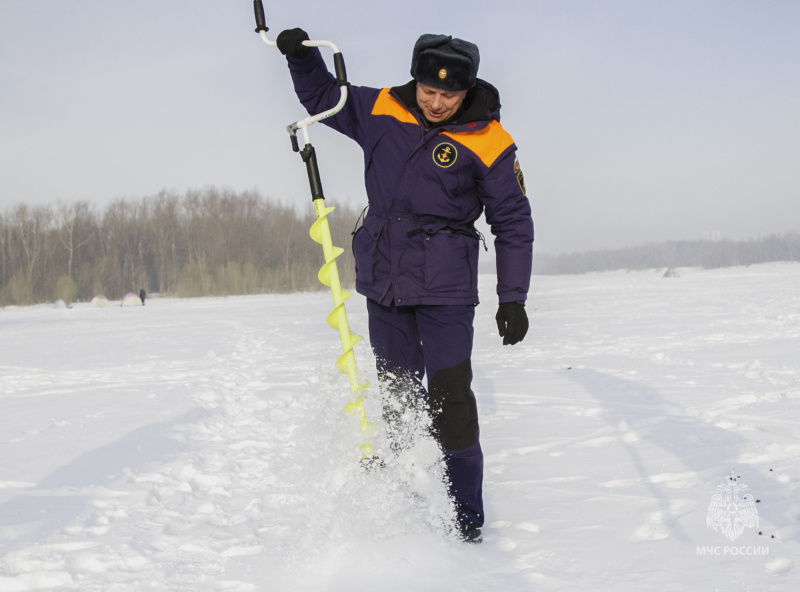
(444, 155)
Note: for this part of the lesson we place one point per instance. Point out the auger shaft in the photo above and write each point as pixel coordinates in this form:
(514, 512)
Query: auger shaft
(337, 319)
(329, 276)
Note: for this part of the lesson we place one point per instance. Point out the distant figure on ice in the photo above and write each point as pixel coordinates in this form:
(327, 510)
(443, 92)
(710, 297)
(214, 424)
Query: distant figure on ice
(142, 295)
(435, 158)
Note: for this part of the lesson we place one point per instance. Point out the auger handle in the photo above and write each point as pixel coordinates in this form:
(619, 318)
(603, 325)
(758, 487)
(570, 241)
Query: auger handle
(339, 67)
(341, 80)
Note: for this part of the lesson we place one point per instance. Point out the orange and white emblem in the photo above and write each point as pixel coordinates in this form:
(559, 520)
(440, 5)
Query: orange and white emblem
(442, 73)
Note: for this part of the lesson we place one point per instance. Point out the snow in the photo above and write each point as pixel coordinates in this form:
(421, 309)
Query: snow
(202, 445)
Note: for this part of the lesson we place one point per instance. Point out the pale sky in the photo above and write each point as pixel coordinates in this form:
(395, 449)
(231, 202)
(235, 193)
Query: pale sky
(635, 120)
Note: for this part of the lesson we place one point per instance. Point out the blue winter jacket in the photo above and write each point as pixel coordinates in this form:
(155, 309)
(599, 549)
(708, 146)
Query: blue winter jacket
(426, 187)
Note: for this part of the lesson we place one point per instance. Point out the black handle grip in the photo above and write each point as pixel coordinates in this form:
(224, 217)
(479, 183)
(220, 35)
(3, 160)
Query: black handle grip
(341, 73)
(258, 8)
(309, 156)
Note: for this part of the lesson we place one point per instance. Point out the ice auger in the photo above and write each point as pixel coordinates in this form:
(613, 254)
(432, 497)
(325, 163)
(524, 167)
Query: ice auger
(320, 232)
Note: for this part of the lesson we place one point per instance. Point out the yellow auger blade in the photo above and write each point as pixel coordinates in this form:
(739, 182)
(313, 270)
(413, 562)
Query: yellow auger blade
(337, 319)
(335, 316)
(326, 272)
(322, 215)
(357, 408)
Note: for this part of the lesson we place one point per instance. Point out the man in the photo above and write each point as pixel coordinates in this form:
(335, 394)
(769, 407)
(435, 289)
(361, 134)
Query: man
(435, 157)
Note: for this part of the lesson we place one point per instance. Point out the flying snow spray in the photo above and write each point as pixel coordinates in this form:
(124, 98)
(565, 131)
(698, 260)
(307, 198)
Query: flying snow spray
(321, 233)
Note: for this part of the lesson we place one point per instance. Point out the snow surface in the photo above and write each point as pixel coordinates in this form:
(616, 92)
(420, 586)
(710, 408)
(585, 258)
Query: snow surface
(202, 445)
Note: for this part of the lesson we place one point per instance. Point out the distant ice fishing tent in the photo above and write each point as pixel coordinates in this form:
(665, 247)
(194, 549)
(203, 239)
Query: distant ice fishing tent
(131, 299)
(99, 301)
(60, 304)
(671, 273)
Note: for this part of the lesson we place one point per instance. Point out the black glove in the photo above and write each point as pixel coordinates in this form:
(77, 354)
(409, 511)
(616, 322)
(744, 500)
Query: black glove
(512, 322)
(290, 42)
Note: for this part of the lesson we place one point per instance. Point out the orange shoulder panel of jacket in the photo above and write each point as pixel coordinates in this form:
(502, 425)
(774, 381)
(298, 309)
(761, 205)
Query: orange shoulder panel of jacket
(488, 143)
(385, 104)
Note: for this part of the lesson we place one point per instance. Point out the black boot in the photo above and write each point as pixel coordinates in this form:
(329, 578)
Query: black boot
(469, 532)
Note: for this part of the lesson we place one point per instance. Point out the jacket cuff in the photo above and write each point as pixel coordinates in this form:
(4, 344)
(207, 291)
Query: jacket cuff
(512, 297)
(307, 63)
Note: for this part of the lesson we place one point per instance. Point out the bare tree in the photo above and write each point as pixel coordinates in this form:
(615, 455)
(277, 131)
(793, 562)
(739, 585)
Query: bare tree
(75, 228)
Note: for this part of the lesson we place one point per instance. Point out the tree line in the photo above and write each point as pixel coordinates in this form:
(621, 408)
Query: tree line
(204, 242)
(703, 254)
(218, 242)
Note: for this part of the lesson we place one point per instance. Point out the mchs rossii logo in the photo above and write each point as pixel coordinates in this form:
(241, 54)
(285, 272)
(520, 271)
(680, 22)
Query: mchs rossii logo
(731, 510)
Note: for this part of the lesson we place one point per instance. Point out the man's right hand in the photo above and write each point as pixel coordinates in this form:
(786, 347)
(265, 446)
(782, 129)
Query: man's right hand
(290, 43)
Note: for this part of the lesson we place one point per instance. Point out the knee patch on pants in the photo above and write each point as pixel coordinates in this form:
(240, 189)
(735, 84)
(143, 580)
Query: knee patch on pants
(453, 408)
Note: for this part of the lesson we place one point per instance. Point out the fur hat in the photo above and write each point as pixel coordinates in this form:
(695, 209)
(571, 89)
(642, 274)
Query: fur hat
(445, 62)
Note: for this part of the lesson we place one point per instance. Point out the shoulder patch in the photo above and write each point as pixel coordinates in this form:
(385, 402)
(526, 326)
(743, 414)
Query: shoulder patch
(385, 104)
(487, 144)
(520, 176)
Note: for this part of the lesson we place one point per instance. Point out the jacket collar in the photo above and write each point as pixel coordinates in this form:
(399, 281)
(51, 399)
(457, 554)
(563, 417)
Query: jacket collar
(481, 105)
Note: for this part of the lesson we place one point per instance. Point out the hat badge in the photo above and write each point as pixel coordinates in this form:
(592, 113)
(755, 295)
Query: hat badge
(442, 74)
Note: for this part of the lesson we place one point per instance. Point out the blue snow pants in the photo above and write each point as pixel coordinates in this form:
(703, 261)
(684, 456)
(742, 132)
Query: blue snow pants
(410, 342)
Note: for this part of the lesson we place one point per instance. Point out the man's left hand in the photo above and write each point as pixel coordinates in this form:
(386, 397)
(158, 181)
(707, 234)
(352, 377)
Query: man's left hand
(512, 322)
